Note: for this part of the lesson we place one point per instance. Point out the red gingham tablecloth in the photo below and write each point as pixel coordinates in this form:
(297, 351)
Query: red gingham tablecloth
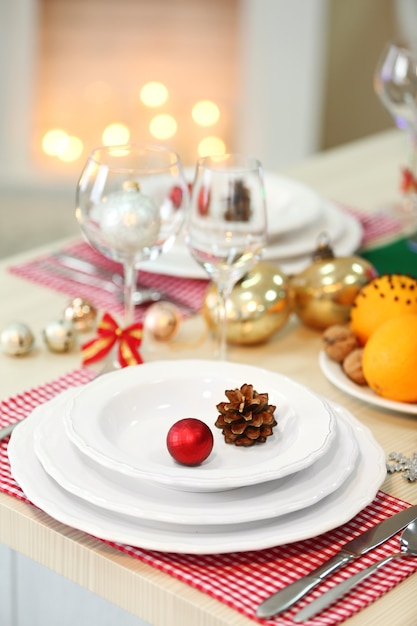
(189, 291)
(243, 579)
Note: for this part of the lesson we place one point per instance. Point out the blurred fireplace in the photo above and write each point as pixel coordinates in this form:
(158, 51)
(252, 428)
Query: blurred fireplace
(95, 56)
(79, 65)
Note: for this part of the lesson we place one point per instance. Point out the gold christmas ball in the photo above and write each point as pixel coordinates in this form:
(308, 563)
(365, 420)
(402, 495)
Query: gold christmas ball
(59, 336)
(324, 292)
(260, 304)
(163, 321)
(17, 339)
(82, 314)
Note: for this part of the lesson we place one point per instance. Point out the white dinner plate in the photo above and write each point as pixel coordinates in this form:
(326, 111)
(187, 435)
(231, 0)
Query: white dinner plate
(335, 375)
(121, 421)
(139, 498)
(292, 255)
(355, 493)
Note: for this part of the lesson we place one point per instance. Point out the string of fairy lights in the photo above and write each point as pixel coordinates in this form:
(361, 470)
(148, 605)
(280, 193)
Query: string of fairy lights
(60, 144)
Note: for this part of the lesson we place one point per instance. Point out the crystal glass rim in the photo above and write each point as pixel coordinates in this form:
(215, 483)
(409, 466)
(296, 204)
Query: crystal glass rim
(232, 161)
(400, 47)
(134, 150)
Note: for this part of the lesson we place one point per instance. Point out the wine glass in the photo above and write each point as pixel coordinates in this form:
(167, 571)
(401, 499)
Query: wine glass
(226, 224)
(395, 82)
(131, 202)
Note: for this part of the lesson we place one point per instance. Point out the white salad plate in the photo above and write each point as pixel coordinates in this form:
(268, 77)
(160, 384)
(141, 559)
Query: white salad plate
(358, 490)
(335, 223)
(346, 245)
(290, 204)
(335, 375)
(121, 421)
(146, 501)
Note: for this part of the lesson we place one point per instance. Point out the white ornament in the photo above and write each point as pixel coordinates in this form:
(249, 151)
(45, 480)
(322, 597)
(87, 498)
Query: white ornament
(129, 220)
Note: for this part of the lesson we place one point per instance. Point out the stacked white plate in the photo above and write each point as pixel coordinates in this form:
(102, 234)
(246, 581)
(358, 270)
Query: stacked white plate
(297, 216)
(95, 458)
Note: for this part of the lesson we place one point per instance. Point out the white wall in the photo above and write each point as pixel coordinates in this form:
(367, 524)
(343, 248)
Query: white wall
(17, 42)
(280, 99)
(282, 79)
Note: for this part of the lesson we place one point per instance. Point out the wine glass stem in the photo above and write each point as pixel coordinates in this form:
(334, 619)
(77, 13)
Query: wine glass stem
(130, 277)
(221, 335)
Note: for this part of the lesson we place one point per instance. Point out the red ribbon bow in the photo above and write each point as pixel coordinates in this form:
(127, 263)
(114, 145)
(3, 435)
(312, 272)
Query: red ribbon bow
(109, 333)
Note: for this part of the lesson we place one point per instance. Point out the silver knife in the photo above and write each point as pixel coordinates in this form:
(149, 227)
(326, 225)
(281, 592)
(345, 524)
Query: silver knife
(86, 267)
(71, 267)
(7, 430)
(371, 538)
(80, 277)
(326, 599)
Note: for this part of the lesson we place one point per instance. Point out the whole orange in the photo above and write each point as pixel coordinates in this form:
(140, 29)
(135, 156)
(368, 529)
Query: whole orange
(385, 297)
(390, 359)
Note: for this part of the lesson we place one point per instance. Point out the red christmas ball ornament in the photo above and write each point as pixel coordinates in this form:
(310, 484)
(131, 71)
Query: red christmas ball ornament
(189, 441)
(175, 195)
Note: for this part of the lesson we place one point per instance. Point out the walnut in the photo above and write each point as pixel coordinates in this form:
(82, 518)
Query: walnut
(352, 366)
(338, 342)
(247, 418)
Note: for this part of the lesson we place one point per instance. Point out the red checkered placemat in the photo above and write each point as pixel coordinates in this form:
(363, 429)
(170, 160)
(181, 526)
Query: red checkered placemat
(189, 291)
(243, 579)
(376, 226)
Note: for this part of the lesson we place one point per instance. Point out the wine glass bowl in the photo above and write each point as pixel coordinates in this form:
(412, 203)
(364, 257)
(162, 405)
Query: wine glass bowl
(226, 225)
(395, 83)
(131, 203)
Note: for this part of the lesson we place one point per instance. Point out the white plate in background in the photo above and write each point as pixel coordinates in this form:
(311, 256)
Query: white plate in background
(335, 375)
(292, 255)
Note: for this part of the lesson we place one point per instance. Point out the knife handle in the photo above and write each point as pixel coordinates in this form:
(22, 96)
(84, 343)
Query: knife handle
(7, 430)
(326, 599)
(285, 598)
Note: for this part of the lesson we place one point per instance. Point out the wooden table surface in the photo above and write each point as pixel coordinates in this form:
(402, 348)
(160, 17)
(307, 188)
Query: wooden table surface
(362, 175)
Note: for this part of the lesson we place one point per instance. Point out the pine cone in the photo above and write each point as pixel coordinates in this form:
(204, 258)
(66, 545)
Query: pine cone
(247, 418)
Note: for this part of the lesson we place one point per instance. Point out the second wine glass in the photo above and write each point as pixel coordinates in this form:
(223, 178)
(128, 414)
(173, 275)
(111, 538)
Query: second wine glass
(227, 226)
(395, 83)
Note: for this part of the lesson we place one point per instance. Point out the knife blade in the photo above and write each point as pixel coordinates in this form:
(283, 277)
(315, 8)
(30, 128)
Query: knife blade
(86, 267)
(366, 541)
(80, 277)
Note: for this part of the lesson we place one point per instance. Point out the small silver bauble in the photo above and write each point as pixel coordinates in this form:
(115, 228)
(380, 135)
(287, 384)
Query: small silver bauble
(59, 336)
(17, 339)
(82, 314)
